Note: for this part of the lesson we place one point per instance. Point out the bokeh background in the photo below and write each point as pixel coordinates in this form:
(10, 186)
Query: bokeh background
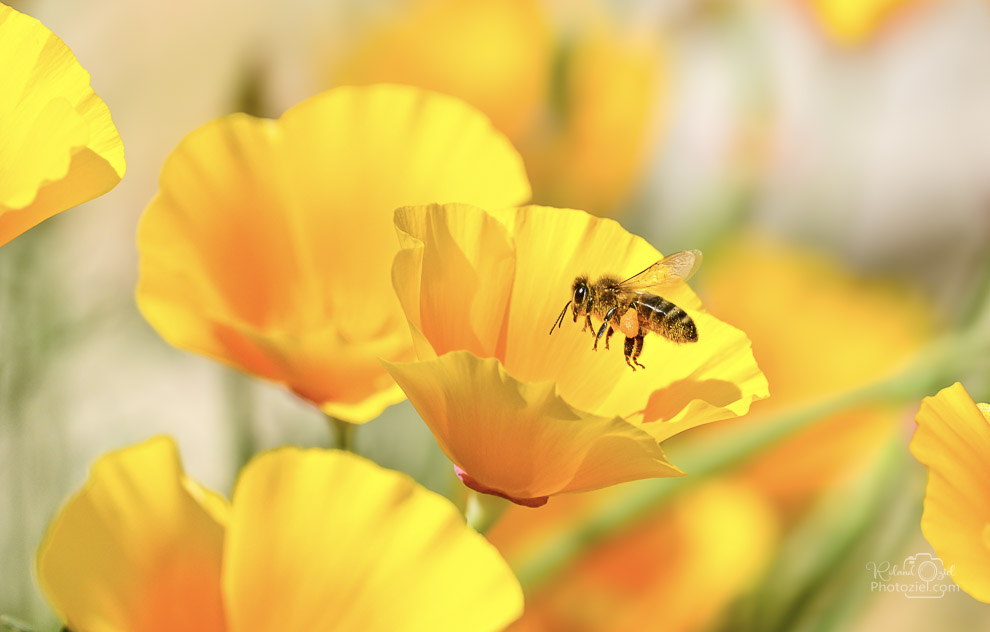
(830, 157)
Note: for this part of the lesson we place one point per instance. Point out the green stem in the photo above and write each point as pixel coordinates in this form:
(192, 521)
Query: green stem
(737, 444)
(32, 437)
(10, 624)
(827, 539)
(239, 393)
(343, 434)
(484, 510)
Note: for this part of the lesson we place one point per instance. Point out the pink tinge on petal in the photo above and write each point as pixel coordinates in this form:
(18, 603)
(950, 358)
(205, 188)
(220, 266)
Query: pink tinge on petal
(539, 501)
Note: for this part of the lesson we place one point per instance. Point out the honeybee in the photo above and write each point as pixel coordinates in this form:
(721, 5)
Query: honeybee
(632, 308)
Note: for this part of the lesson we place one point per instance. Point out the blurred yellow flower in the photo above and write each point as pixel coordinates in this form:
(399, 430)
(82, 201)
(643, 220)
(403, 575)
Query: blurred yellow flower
(609, 116)
(805, 310)
(647, 577)
(525, 415)
(269, 245)
(494, 54)
(580, 101)
(58, 145)
(313, 540)
(953, 441)
(854, 22)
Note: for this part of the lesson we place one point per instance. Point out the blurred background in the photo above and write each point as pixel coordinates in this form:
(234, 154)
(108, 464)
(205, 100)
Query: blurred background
(830, 157)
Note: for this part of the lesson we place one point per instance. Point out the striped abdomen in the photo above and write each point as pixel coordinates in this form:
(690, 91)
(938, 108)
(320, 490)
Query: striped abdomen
(662, 317)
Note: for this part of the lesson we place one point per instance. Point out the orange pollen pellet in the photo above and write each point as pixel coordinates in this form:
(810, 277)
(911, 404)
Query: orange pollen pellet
(629, 325)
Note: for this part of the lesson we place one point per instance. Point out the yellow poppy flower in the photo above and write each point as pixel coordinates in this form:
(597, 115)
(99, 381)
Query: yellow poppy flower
(58, 146)
(612, 88)
(759, 283)
(269, 244)
(580, 100)
(953, 441)
(313, 540)
(525, 415)
(494, 54)
(854, 22)
(647, 577)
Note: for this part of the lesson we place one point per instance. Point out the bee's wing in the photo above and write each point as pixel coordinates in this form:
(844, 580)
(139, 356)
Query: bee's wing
(669, 271)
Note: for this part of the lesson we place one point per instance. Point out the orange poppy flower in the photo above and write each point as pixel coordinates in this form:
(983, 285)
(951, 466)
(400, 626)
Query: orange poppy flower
(268, 247)
(525, 415)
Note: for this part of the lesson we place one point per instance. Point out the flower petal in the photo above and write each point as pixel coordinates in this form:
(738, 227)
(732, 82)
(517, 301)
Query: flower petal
(683, 386)
(612, 88)
(854, 22)
(953, 440)
(325, 540)
(523, 439)
(647, 576)
(58, 145)
(270, 243)
(138, 548)
(495, 55)
(470, 252)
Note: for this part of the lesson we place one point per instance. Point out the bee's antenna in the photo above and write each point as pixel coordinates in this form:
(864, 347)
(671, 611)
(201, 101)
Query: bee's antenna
(560, 319)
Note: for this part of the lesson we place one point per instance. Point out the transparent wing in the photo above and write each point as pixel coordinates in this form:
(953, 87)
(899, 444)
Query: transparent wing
(669, 271)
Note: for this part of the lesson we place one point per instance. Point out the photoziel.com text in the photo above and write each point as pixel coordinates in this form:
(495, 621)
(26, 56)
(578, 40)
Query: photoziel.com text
(920, 576)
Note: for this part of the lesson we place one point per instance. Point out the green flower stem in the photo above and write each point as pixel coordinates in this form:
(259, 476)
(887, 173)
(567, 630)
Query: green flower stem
(934, 367)
(845, 593)
(343, 434)
(10, 624)
(239, 393)
(484, 510)
(33, 323)
(828, 543)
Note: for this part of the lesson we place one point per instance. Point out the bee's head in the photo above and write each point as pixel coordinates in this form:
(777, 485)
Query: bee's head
(579, 299)
(580, 296)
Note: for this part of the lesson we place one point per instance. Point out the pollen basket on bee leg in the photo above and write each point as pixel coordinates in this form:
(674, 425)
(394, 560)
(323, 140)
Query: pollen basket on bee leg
(629, 325)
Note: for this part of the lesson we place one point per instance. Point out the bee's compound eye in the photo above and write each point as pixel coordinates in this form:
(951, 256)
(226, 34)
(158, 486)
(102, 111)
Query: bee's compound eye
(579, 294)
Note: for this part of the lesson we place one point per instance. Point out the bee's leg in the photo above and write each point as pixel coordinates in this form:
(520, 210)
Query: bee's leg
(638, 350)
(608, 334)
(629, 350)
(588, 325)
(601, 330)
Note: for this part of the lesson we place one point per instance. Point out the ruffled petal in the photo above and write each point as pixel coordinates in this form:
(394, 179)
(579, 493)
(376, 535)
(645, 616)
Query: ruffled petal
(325, 540)
(456, 292)
(138, 548)
(270, 243)
(522, 440)
(58, 145)
(683, 386)
(953, 440)
(477, 284)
